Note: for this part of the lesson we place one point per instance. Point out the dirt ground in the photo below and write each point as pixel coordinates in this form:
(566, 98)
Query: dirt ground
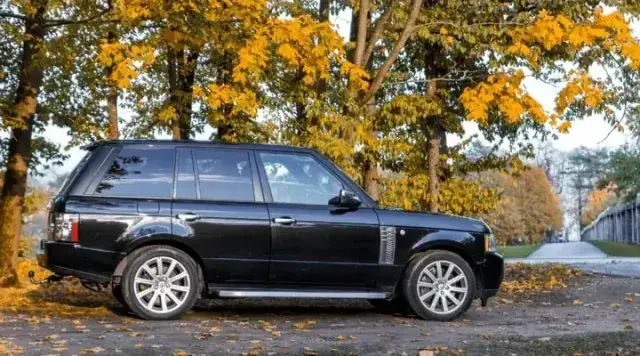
(597, 314)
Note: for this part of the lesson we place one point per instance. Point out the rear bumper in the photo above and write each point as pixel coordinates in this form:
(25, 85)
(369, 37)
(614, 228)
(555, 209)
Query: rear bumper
(492, 271)
(66, 259)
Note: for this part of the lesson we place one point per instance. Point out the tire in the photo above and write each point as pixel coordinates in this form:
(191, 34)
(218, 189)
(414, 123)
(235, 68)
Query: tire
(423, 269)
(160, 297)
(116, 290)
(397, 304)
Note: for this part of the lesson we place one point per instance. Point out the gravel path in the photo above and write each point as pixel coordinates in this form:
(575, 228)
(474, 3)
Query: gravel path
(567, 250)
(600, 314)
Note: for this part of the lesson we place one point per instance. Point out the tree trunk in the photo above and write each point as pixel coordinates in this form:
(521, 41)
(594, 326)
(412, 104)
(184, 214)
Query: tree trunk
(112, 91)
(370, 173)
(225, 130)
(181, 65)
(172, 63)
(112, 108)
(112, 97)
(188, 76)
(323, 16)
(433, 160)
(22, 114)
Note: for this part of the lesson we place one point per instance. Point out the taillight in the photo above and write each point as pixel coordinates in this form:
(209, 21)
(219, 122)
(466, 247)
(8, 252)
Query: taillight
(65, 227)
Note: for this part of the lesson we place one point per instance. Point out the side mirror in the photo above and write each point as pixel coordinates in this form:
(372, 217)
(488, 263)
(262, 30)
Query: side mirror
(345, 199)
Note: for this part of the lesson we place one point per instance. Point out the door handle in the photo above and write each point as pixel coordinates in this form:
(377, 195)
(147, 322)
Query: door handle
(285, 220)
(188, 216)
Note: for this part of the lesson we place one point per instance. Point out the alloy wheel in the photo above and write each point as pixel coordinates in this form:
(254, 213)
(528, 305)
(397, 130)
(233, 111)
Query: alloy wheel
(161, 285)
(442, 287)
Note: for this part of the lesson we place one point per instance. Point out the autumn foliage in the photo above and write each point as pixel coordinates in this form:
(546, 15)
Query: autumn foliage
(597, 201)
(528, 207)
(525, 279)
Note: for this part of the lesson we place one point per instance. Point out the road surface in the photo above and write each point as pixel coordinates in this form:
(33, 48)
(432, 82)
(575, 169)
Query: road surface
(584, 256)
(598, 315)
(568, 250)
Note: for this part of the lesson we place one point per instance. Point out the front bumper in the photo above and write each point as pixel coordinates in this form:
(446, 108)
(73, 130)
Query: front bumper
(492, 271)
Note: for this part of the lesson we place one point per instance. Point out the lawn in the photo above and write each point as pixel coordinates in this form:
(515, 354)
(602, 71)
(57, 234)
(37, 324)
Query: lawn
(618, 249)
(519, 251)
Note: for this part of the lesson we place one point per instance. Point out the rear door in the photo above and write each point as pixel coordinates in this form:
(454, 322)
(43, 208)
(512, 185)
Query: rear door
(312, 242)
(218, 204)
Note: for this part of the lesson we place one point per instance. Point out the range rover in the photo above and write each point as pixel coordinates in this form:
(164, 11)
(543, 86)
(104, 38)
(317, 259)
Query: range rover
(164, 223)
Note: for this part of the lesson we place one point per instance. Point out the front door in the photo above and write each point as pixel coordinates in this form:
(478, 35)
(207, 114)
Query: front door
(219, 205)
(313, 242)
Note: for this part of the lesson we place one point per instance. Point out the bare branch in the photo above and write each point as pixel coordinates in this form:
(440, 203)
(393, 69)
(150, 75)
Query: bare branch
(361, 39)
(61, 22)
(13, 16)
(393, 55)
(457, 25)
(378, 28)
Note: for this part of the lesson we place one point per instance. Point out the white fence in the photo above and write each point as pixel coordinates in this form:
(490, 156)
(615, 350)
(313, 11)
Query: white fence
(620, 223)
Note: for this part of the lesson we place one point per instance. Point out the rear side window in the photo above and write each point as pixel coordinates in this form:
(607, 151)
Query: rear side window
(139, 172)
(224, 175)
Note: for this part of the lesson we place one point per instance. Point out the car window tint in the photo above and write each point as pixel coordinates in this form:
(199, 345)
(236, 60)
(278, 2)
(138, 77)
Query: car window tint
(299, 179)
(139, 172)
(186, 184)
(224, 175)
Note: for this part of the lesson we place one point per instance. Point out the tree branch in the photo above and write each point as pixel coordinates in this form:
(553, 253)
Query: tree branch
(378, 28)
(457, 25)
(13, 16)
(61, 22)
(386, 66)
(361, 38)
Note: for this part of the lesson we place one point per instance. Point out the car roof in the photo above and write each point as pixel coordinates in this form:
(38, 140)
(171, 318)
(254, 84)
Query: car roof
(197, 143)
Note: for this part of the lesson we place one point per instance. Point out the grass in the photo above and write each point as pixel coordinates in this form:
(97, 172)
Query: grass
(618, 249)
(519, 251)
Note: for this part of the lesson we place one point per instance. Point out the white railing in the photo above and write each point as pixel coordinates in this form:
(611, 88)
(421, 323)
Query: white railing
(619, 223)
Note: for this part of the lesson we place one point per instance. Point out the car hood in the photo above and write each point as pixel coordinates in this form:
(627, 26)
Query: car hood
(397, 217)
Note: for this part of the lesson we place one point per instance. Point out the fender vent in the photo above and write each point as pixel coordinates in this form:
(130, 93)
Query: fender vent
(387, 245)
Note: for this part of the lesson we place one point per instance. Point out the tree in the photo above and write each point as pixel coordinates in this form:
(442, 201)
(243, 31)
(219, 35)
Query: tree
(527, 207)
(585, 168)
(465, 54)
(623, 174)
(19, 117)
(181, 30)
(597, 201)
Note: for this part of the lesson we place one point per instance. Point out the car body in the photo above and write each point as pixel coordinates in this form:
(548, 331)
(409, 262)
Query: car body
(249, 220)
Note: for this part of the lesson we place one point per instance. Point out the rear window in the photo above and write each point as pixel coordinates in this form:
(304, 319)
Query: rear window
(72, 176)
(139, 172)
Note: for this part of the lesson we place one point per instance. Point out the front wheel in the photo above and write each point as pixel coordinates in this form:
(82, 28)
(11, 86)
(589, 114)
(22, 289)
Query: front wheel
(439, 285)
(161, 283)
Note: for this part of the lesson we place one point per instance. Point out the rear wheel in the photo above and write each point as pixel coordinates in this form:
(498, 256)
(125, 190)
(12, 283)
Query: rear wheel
(439, 285)
(161, 283)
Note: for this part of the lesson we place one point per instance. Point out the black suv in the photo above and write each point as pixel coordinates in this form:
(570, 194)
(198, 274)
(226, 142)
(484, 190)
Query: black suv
(168, 222)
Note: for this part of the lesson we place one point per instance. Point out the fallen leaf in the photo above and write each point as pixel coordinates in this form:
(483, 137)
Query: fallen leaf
(94, 350)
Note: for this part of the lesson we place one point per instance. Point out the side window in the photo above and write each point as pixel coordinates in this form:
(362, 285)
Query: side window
(299, 179)
(186, 183)
(139, 172)
(224, 175)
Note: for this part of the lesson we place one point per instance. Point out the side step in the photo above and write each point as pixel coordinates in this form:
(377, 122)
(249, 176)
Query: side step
(244, 293)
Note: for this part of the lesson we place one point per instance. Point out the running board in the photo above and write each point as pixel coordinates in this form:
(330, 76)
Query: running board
(229, 293)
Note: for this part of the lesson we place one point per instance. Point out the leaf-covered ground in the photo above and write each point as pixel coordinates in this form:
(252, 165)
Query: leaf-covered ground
(544, 310)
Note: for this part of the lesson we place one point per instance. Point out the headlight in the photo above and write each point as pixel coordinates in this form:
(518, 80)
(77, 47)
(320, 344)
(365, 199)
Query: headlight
(489, 243)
